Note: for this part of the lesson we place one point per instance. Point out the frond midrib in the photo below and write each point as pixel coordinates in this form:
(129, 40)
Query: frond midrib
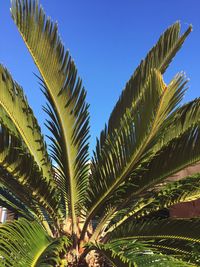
(66, 145)
(133, 159)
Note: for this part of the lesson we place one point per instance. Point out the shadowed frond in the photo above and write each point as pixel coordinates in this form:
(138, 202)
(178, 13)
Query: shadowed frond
(21, 175)
(177, 155)
(67, 108)
(187, 189)
(179, 121)
(125, 253)
(180, 235)
(16, 107)
(54, 254)
(24, 243)
(9, 201)
(176, 130)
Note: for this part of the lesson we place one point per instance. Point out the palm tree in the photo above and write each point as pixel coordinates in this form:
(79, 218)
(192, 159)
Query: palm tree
(100, 212)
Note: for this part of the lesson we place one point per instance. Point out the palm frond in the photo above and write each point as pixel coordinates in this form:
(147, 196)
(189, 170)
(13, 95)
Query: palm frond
(181, 235)
(15, 106)
(179, 121)
(21, 175)
(24, 243)
(54, 254)
(6, 121)
(187, 189)
(177, 128)
(129, 147)
(164, 196)
(158, 58)
(9, 201)
(175, 156)
(69, 121)
(125, 253)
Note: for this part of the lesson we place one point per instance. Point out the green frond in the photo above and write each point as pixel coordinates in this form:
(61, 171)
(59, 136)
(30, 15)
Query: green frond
(179, 121)
(24, 125)
(127, 149)
(9, 201)
(53, 255)
(181, 235)
(159, 57)
(20, 192)
(24, 243)
(165, 196)
(21, 175)
(125, 253)
(184, 190)
(68, 111)
(178, 154)
(7, 123)
(177, 128)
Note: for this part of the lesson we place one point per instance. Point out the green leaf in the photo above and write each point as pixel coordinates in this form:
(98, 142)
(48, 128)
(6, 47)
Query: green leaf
(127, 149)
(181, 235)
(127, 253)
(187, 189)
(24, 243)
(67, 107)
(16, 107)
(9, 201)
(21, 175)
(164, 196)
(158, 58)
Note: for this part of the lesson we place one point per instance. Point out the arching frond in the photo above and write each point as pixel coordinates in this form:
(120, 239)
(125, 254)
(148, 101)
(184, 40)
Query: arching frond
(15, 106)
(21, 175)
(68, 110)
(54, 254)
(125, 253)
(129, 147)
(187, 189)
(184, 190)
(24, 243)
(9, 201)
(177, 155)
(159, 58)
(179, 234)
(179, 121)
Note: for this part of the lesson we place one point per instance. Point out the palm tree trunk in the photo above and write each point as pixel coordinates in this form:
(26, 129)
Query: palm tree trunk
(94, 259)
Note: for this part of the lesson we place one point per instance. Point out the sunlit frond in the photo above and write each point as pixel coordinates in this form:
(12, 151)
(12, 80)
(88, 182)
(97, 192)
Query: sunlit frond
(159, 58)
(23, 124)
(67, 108)
(127, 149)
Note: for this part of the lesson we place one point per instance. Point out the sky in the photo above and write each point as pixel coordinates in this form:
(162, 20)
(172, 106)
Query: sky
(107, 40)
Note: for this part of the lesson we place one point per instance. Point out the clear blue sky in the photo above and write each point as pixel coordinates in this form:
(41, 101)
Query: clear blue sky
(107, 39)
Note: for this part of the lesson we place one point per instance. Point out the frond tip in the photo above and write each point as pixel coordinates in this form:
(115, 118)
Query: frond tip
(67, 108)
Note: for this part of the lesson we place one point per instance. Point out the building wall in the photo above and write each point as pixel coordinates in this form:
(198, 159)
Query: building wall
(188, 209)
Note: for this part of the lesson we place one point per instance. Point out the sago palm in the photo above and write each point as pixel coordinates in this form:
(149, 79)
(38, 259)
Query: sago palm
(100, 212)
